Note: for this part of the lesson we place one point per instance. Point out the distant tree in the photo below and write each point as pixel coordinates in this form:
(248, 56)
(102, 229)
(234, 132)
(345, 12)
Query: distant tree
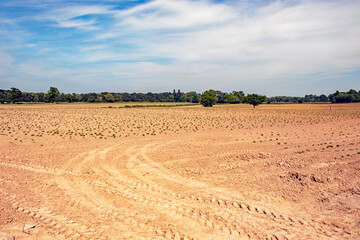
(83, 98)
(68, 98)
(195, 96)
(220, 96)
(174, 94)
(352, 91)
(170, 98)
(53, 94)
(240, 95)
(285, 99)
(117, 97)
(355, 96)
(5, 96)
(255, 99)
(333, 95)
(41, 97)
(140, 97)
(185, 98)
(177, 96)
(133, 97)
(345, 97)
(77, 97)
(91, 99)
(208, 99)
(109, 97)
(161, 97)
(192, 97)
(35, 97)
(323, 98)
(271, 100)
(27, 97)
(61, 98)
(231, 98)
(150, 97)
(15, 95)
(311, 98)
(126, 97)
(101, 97)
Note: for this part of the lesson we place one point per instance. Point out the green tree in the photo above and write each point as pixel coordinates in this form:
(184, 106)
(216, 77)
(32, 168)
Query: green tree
(220, 96)
(4, 95)
(91, 99)
(170, 98)
(192, 97)
(117, 97)
(231, 98)
(323, 98)
(109, 97)
(15, 95)
(240, 95)
(208, 99)
(255, 99)
(41, 97)
(149, 97)
(53, 94)
(35, 97)
(195, 96)
(27, 97)
(68, 98)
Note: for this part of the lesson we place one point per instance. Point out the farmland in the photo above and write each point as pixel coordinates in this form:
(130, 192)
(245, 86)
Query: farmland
(90, 171)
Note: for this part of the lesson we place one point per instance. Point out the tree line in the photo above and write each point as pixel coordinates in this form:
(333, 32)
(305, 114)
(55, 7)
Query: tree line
(15, 95)
(209, 97)
(337, 97)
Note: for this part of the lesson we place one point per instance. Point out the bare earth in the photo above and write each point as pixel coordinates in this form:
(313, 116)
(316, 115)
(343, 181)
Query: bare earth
(80, 171)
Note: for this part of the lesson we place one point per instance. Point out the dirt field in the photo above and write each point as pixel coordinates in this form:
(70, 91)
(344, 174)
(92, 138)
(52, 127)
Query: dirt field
(80, 171)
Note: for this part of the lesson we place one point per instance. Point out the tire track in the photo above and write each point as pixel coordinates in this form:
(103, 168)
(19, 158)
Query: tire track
(227, 216)
(279, 218)
(126, 219)
(201, 217)
(55, 224)
(234, 204)
(38, 169)
(162, 204)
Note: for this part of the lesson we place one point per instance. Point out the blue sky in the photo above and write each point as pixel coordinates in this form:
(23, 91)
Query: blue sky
(278, 47)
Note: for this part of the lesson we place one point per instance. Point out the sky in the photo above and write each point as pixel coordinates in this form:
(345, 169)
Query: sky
(274, 47)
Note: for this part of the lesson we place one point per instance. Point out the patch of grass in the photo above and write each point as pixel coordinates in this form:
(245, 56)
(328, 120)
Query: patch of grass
(156, 105)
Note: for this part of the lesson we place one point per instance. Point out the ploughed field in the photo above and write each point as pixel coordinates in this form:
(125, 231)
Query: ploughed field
(86, 171)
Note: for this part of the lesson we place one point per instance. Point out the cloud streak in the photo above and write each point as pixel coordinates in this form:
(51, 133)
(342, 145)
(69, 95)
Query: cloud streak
(173, 14)
(69, 16)
(307, 32)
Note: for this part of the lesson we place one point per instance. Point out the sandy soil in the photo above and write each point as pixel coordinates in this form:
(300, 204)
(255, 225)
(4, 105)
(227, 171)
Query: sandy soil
(80, 171)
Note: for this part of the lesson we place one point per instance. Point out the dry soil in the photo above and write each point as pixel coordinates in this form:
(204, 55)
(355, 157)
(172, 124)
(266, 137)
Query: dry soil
(81, 171)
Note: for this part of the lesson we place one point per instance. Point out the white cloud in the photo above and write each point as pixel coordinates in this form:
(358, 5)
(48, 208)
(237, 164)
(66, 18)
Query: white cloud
(67, 16)
(83, 24)
(302, 38)
(30, 45)
(173, 14)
